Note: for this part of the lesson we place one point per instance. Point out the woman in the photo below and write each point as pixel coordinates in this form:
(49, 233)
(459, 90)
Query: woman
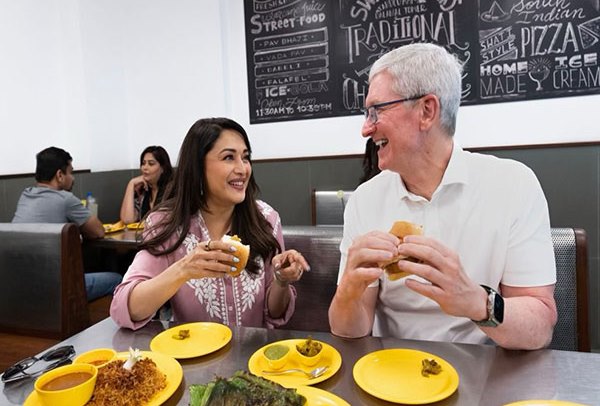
(145, 191)
(183, 260)
(370, 163)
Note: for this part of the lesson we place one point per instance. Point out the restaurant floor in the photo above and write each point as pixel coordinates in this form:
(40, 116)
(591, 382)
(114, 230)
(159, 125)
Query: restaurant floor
(14, 348)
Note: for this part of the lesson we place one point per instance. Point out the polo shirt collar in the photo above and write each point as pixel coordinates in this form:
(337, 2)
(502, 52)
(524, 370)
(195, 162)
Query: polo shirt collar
(456, 173)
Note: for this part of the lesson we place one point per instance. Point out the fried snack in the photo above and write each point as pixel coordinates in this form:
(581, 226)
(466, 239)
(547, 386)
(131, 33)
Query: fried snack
(116, 386)
(181, 334)
(430, 367)
(309, 347)
(242, 253)
(400, 229)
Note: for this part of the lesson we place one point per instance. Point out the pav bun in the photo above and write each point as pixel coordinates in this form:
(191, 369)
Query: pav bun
(242, 252)
(400, 229)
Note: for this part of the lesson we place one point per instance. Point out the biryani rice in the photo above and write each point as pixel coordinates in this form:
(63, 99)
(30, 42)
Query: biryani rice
(117, 386)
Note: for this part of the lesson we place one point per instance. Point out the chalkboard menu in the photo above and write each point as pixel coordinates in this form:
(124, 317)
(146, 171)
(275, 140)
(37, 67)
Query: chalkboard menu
(311, 58)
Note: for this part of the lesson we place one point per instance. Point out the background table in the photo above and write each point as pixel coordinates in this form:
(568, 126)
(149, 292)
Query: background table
(121, 240)
(488, 375)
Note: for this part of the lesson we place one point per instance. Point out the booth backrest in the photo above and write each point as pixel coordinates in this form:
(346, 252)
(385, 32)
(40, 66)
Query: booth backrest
(327, 206)
(571, 291)
(320, 246)
(42, 288)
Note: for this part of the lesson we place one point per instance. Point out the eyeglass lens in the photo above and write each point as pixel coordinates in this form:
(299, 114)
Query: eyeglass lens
(57, 353)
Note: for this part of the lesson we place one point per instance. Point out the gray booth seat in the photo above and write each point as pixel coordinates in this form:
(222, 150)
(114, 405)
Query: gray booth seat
(320, 246)
(42, 288)
(327, 206)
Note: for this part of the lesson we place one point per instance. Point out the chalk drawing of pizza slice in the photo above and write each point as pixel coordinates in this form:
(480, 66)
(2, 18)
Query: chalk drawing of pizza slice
(495, 14)
(589, 32)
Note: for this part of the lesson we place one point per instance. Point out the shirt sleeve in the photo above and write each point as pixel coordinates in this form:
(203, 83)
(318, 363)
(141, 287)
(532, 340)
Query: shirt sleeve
(145, 266)
(530, 256)
(76, 212)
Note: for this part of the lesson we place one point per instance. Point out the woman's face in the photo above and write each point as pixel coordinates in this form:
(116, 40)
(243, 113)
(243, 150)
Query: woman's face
(228, 169)
(151, 169)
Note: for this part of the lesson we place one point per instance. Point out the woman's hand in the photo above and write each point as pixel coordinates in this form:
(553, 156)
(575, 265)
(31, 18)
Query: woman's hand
(140, 184)
(208, 260)
(289, 266)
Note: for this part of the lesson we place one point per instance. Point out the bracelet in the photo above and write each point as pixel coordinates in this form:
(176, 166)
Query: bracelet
(280, 281)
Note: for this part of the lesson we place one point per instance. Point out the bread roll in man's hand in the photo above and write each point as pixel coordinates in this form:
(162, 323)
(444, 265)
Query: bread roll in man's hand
(400, 229)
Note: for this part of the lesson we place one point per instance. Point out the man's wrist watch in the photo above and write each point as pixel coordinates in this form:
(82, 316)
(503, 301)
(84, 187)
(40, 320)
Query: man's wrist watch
(495, 309)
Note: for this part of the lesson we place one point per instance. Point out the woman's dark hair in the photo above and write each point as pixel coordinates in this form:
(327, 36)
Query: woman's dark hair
(370, 163)
(162, 157)
(49, 161)
(185, 196)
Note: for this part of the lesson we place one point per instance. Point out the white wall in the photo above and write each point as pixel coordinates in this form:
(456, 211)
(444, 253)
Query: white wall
(104, 79)
(41, 100)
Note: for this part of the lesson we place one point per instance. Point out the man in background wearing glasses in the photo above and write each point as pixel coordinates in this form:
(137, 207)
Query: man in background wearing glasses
(486, 269)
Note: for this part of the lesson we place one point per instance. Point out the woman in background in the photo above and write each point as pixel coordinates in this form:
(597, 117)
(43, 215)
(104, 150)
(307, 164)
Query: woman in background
(145, 191)
(370, 163)
(183, 261)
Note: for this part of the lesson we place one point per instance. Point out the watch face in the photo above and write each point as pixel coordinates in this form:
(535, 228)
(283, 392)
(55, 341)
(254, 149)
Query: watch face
(498, 308)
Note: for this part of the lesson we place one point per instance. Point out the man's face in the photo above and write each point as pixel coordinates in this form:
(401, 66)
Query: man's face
(66, 179)
(396, 129)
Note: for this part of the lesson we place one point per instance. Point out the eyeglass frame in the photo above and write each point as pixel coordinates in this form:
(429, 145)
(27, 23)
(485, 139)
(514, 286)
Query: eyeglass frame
(370, 112)
(61, 356)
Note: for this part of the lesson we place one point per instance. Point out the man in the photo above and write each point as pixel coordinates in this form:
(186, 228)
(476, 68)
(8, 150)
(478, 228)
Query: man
(51, 201)
(486, 267)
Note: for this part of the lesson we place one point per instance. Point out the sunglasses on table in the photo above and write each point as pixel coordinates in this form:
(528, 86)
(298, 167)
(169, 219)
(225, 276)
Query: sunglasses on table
(52, 359)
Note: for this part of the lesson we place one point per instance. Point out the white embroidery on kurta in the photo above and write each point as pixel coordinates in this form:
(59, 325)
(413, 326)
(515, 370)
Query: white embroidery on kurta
(211, 292)
(250, 287)
(190, 242)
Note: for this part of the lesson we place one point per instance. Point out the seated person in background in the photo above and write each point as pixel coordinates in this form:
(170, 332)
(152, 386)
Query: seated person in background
(370, 163)
(51, 201)
(486, 226)
(145, 191)
(183, 259)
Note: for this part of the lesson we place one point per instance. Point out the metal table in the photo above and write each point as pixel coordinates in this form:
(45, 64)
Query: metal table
(488, 375)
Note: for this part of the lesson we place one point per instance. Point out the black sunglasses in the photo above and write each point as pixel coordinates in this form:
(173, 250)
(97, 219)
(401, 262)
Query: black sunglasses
(53, 359)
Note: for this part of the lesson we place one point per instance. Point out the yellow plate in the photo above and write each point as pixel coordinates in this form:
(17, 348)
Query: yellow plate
(136, 226)
(319, 397)
(395, 375)
(204, 338)
(257, 364)
(167, 365)
(543, 403)
(112, 228)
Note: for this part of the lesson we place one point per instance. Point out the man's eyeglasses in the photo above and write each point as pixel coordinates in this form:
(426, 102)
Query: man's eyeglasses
(52, 359)
(371, 111)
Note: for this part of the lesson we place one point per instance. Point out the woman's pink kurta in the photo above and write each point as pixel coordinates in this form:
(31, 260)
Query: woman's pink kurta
(232, 301)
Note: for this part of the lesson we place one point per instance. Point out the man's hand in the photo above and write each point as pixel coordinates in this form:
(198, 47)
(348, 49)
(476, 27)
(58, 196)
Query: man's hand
(449, 286)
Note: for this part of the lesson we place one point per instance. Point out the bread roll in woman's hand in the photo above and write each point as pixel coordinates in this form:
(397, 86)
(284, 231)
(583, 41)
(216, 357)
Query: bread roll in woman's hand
(242, 252)
(400, 229)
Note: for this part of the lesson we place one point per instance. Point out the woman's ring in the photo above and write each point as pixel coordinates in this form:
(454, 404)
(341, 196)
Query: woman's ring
(207, 245)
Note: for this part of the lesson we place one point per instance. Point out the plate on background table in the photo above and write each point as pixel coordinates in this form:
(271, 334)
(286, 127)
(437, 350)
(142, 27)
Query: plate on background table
(204, 338)
(395, 375)
(114, 227)
(320, 397)
(136, 226)
(167, 365)
(536, 402)
(331, 357)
